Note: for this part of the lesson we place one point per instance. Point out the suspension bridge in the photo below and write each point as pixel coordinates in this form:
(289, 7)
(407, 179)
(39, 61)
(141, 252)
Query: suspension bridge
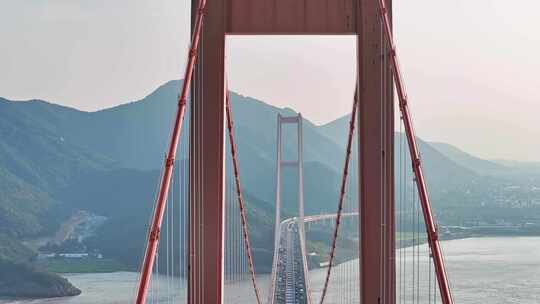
(382, 246)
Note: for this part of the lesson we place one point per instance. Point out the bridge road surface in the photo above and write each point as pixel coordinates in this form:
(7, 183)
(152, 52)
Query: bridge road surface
(290, 290)
(290, 285)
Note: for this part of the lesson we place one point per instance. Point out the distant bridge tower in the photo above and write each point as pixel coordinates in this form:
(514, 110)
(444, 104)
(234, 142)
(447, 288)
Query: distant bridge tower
(297, 163)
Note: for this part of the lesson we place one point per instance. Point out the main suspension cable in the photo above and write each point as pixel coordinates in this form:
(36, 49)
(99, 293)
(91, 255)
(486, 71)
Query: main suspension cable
(431, 227)
(157, 218)
(342, 194)
(243, 215)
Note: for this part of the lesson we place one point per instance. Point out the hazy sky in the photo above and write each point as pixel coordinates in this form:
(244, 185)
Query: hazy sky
(471, 66)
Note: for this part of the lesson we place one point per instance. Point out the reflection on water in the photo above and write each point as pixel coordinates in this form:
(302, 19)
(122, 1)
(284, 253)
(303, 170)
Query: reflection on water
(482, 270)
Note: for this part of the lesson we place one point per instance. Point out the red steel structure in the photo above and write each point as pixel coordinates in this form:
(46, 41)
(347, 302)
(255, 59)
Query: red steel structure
(207, 132)
(369, 20)
(157, 218)
(431, 227)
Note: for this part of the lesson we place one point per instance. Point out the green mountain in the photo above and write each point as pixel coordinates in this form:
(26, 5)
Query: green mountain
(35, 161)
(54, 150)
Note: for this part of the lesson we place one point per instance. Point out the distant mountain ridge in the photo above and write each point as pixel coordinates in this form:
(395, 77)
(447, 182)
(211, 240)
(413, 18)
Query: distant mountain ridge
(46, 145)
(438, 165)
(35, 161)
(478, 165)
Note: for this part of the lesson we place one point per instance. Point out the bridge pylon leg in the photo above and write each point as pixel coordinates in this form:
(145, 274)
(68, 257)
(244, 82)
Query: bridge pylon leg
(376, 159)
(207, 162)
